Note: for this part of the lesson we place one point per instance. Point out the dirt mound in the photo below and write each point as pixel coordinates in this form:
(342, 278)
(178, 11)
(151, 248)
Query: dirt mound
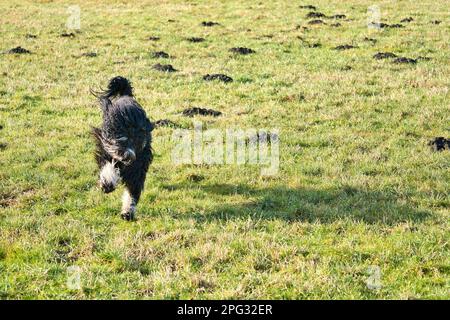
(164, 67)
(440, 144)
(338, 16)
(401, 60)
(160, 54)
(217, 76)
(308, 6)
(195, 39)
(89, 54)
(409, 19)
(383, 25)
(165, 123)
(17, 50)
(384, 55)
(209, 23)
(242, 50)
(315, 14)
(201, 111)
(67, 35)
(318, 21)
(345, 47)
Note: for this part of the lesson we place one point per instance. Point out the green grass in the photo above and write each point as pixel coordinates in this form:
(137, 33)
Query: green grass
(357, 187)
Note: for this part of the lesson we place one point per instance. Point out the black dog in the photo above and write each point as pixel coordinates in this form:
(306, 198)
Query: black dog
(123, 143)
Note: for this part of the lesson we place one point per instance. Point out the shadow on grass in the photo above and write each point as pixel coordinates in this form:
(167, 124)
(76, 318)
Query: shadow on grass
(307, 205)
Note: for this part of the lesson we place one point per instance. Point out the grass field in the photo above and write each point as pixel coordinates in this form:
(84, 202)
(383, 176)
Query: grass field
(359, 197)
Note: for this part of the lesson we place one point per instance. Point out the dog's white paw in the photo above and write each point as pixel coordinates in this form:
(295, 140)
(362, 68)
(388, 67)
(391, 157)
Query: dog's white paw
(128, 206)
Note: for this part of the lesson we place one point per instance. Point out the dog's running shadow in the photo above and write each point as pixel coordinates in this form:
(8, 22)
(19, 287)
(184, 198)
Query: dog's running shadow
(307, 205)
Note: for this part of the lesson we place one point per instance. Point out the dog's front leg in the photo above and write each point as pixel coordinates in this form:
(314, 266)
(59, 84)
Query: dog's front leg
(134, 183)
(134, 179)
(129, 202)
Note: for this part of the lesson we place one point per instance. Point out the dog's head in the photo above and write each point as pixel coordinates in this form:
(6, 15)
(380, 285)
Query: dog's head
(126, 130)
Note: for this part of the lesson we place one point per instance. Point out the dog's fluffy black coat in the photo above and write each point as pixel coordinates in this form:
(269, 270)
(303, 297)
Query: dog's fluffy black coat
(123, 143)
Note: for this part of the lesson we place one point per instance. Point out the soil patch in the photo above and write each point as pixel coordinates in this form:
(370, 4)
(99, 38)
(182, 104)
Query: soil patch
(160, 54)
(383, 25)
(164, 67)
(310, 7)
(210, 23)
(89, 54)
(18, 50)
(338, 16)
(242, 50)
(318, 21)
(195, 39)
(384, 55)
(68, 35)
(409, 19)
(401, 60)
(315, 14)
(345, 47)
(217, 76)
(201, 111)
(165, 123)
